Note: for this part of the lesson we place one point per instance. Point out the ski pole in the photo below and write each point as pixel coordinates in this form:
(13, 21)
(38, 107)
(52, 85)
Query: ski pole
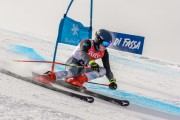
(59, 63)
(98, 83)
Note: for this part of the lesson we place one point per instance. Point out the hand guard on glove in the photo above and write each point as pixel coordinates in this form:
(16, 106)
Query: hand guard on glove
(94, 66)
(113, 84)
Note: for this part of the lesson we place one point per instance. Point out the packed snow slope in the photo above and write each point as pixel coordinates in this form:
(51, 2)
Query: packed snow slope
(151, 85)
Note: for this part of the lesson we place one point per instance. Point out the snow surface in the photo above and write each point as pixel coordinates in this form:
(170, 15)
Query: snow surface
(151, 85)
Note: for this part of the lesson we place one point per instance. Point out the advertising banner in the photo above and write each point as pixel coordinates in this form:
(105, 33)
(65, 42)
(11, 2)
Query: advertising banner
(127, 43)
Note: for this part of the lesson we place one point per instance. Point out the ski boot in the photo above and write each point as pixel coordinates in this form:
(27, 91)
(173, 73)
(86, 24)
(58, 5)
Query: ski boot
(48, 77)
(77, 81)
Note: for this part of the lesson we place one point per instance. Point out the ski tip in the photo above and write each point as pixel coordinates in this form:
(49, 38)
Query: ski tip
(90, 99)
(125, 103)
(120, 102)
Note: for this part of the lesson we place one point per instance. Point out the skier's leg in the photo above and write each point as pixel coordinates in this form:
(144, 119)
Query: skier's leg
(70, 71)
(49, 77)
(94, 74)
(85, 76)
(61, 75)
(75, 75)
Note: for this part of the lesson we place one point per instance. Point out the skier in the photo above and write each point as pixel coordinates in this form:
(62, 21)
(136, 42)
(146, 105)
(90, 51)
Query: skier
(85, 55)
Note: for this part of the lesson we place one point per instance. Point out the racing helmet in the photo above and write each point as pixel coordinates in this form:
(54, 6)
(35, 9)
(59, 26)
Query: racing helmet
(103, 37)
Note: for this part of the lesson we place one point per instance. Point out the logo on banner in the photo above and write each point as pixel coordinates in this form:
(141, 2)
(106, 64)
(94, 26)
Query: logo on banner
(75, 29)
(128, 43)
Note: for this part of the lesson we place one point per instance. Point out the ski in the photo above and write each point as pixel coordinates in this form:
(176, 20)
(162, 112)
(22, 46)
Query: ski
(91, 93)
(88, 99)
(97, 95)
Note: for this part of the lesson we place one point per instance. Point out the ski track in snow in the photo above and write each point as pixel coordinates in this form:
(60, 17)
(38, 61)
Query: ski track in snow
(20, 109)
(33, 104)
(148, 77)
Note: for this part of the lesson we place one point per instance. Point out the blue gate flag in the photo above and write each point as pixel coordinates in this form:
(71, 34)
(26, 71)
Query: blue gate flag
(72, 32)
(127, 43)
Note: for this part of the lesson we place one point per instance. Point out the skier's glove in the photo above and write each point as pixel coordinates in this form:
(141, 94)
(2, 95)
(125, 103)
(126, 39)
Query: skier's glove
(113, 84)
(94, 66)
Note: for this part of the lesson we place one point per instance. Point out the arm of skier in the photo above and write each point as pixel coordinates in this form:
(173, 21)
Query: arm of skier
(109, 73)
(85, 45)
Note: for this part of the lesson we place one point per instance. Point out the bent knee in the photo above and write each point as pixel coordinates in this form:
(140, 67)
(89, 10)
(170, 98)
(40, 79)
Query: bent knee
(102, 72)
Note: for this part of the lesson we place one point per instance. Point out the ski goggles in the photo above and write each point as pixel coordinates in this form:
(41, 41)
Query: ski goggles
(105, 44)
